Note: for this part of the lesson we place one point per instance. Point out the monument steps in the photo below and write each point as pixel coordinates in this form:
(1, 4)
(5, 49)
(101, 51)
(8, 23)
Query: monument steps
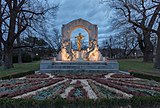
(79, 70)
(80, 67)
(60, 67)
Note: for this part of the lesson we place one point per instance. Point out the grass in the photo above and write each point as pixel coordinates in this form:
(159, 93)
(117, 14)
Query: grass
(19, 68)
(138, 66)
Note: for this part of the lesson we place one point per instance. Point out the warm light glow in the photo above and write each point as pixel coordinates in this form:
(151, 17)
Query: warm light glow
(94, 56)
(64, 55)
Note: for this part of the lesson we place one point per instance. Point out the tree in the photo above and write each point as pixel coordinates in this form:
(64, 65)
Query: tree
(121, 44)
(142, 15)
(41, 48)
(51, 36)
(19, 42)
(28, 12)
(0, 53)
(127, 42)
(57, 40)
(110, 44)
(0, 36)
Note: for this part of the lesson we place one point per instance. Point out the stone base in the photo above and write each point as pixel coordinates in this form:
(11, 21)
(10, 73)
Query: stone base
(48, 66)
(80, 59)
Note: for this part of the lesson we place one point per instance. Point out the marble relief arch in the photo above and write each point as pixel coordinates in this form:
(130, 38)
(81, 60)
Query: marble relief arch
(67, 53)
(92, 29)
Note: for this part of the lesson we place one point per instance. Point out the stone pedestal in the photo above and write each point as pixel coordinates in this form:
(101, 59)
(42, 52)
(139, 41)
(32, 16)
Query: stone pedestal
(80, 58)
(79, 67)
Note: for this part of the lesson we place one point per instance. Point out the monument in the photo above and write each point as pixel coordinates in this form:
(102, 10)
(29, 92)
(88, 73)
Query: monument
(79, 60)
(68, 54)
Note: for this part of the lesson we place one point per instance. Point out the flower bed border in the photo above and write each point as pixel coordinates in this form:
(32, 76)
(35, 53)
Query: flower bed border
(145, 76)
(17, 75)
(135, 102)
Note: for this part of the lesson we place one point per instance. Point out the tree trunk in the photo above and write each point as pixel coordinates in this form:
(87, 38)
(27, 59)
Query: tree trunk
(157, 60)
(19, 42)
(8, 53)
(145, 46)
(148, 53)
(148, 48)
(19, 56)
(148, 56)
(1, 54)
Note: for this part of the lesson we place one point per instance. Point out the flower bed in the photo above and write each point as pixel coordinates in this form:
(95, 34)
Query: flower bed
(18, 87)
(121, 76)
(51, 92)
(37, 76)
(78, 92)
(135, 85)
(80, 76)
(103, 92)
(147, 87)
(119, 87)
(41, 86)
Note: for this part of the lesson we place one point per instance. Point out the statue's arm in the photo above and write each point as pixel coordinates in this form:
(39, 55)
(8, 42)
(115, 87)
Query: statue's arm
(76, 36)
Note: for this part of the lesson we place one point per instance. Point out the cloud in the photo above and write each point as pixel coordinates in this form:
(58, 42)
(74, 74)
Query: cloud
(90, 10)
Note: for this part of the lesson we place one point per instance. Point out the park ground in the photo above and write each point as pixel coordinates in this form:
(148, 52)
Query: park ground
(144, 92)
(128, 65)
(20, 68)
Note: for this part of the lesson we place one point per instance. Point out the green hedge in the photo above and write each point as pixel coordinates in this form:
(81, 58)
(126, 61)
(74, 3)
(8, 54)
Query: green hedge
(135, 102)
(145, 76)
(17, 75)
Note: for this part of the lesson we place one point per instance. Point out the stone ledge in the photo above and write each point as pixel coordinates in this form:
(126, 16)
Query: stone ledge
(87, 66)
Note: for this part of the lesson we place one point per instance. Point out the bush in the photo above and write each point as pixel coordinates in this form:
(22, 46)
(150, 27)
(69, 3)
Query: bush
(145, 76)
(135, 102)
(17, 75)
(145, 102)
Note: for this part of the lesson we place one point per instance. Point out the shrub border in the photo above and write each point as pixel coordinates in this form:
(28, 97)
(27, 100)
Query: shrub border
(134, 102)
(145, 76)
(17, 75)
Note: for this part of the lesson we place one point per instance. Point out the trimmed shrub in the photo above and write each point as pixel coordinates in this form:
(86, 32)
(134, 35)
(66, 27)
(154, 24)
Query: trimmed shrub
(17, 75)
(135, 102)
(145, 76)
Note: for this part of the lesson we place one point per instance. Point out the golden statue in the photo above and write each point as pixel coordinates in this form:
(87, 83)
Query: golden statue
(79, 38)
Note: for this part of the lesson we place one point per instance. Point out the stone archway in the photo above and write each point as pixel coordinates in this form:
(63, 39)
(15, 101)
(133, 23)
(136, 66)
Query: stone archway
(67, 29)
(90, 54)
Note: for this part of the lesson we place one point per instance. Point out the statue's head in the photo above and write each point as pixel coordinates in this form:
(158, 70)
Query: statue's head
(79, 34)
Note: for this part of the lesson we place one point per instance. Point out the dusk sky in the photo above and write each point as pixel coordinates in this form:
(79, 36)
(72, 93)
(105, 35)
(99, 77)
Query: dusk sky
(90, 10)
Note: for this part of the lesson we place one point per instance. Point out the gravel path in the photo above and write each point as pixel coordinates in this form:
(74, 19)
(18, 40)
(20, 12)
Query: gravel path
(89, 90)
(109, 75)
(68, 89)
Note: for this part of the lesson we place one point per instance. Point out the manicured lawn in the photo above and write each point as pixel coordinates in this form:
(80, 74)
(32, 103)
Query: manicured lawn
(138, 66)
(19, 68)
